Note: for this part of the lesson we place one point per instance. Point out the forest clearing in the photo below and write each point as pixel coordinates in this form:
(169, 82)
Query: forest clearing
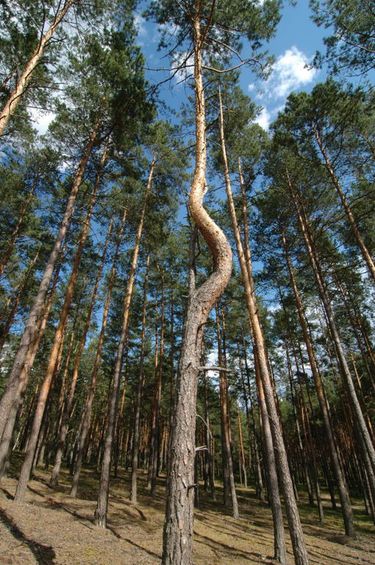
(187, 238)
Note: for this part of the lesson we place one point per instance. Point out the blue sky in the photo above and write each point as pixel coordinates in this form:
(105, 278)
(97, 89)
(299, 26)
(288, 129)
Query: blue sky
(293, 47)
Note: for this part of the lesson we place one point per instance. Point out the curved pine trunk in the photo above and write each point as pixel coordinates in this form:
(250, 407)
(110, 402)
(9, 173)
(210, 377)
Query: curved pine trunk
(178, 525)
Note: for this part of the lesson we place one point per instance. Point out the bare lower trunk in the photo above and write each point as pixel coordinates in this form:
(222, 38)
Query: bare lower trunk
(319, 387)
(264, 384)
(77, 360)
(53, 357)
(229, 485)
(23, 362)
(140, 386)
(24, 79)
(102, 502)
(86, 417)
(178, 525)
(344, 368)
(9, 427)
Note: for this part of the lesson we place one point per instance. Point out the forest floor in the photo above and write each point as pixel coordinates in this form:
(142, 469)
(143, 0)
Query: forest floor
(54, 528)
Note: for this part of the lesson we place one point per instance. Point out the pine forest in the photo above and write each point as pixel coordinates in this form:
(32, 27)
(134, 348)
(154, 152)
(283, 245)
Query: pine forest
(187, 282)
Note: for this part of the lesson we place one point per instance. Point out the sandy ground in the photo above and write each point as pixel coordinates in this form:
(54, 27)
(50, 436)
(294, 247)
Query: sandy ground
(53, 528)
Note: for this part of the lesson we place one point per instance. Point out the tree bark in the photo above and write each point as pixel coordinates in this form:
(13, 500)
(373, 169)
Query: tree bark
(344, 368)
(265, 393)
(87, 411)
(178, 525)
(77, 360)
(140, 386)
(228, 474)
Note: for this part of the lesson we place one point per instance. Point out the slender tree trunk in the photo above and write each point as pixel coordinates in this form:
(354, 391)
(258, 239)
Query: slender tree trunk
(140, 386)
(242, 450)
(15, 233)
(155, 423)
(229, 485)
(23, 362)
(87, 411)
(315, 264)
(57, 344)
(178, 525)
(77, 360)
(23, 81)
(10, 423)
(102, 502)
(345, 204)
(319, 387)
(265, 387)
(15, 301)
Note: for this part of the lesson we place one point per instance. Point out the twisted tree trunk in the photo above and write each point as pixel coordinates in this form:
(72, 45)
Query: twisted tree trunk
(178, 525)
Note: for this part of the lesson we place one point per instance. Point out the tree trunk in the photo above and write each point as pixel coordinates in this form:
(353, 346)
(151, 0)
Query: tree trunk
(345, 204)
(57, 344)
(87, 411)
(319, 387)
(15, 233)
(140, 386)
(77, 360)
(345, 372)
(264, 384)
(178, 525)
(10, 423)
(228, 474)
(23, 81)
(23, 362)
(15, 300)
(102, 502)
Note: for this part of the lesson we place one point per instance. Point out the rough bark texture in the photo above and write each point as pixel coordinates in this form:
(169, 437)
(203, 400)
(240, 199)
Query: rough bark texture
(24, 79)
(178, 526)
(102, 502)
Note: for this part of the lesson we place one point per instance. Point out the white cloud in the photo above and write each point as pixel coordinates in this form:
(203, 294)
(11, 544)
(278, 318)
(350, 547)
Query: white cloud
(289, 73)
(140, 25)
(263, 119)
(41, 120)
(184, 64)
